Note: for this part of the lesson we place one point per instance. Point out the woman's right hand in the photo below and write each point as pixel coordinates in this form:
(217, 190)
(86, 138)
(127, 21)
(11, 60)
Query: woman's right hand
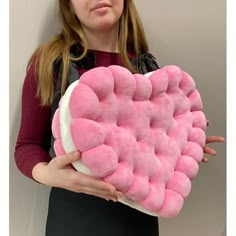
(60, 173)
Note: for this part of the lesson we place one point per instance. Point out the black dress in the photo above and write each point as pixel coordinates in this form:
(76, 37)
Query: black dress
(78, 214)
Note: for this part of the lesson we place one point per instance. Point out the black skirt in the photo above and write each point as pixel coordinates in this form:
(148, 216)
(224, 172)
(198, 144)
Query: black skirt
(76, 214)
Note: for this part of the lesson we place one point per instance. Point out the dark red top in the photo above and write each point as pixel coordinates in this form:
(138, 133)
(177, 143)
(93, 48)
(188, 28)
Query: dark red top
(34, 136)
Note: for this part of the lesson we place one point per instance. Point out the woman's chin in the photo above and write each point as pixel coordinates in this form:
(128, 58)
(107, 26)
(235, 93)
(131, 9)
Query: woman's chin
(105, 25)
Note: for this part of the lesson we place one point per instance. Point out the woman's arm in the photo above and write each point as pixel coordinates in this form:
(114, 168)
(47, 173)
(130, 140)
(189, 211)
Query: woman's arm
(33, 143)
(34, 135)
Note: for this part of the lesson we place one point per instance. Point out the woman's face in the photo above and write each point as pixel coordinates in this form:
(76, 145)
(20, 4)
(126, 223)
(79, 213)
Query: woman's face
(98, 15)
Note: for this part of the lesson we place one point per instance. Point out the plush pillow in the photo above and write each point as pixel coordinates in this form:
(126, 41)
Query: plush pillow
(144, 134)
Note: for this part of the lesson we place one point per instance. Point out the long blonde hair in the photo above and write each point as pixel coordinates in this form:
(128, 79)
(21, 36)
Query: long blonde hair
(131, 39)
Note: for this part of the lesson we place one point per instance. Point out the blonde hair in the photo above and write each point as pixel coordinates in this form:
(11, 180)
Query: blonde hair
(131, 39)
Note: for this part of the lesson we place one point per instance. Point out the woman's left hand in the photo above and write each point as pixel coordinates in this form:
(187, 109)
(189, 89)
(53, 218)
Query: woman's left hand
(209, 150)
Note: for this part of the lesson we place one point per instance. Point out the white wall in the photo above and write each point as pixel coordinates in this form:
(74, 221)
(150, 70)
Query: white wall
(31, 23)
(188, 33)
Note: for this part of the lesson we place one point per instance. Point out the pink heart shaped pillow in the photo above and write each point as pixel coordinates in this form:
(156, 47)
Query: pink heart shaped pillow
(144, 134)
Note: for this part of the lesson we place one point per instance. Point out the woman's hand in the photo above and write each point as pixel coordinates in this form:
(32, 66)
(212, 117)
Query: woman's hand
(209, 150)
(59, 173)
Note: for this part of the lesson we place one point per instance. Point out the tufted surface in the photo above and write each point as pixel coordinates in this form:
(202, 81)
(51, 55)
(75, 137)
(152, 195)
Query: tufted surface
(142, 133)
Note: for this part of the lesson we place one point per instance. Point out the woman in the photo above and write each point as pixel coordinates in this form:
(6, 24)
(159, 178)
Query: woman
(94, 33)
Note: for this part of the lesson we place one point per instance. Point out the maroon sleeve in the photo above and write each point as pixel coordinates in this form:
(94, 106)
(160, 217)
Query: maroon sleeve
(34, 135)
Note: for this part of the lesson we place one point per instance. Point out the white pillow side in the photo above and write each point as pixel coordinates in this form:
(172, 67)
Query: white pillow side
(65, 120)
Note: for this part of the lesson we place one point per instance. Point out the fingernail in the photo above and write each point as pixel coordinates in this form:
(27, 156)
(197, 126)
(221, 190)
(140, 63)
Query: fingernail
(75, 154)
(118, 194)
(114, 199)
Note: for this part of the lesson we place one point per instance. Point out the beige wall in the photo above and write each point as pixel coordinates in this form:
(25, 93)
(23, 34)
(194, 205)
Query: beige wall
(188, 33)
(31, 22)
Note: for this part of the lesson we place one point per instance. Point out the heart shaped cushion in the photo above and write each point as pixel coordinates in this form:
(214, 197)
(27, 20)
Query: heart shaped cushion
(144, 134)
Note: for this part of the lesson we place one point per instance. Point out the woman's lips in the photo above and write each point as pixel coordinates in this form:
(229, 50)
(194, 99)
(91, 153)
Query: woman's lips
(101, 6)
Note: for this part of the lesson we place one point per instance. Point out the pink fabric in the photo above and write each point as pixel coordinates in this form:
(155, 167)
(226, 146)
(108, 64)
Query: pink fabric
(143, 134)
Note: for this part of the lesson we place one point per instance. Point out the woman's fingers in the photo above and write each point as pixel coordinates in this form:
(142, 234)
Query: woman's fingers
(64, 160)
(93, 182)
(209, 151)
(98, 193)
(90, 185)
(78, 182)
(213, 139)
(205, 159)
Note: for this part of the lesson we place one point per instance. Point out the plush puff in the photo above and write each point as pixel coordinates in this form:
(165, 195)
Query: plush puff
(144, 134)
